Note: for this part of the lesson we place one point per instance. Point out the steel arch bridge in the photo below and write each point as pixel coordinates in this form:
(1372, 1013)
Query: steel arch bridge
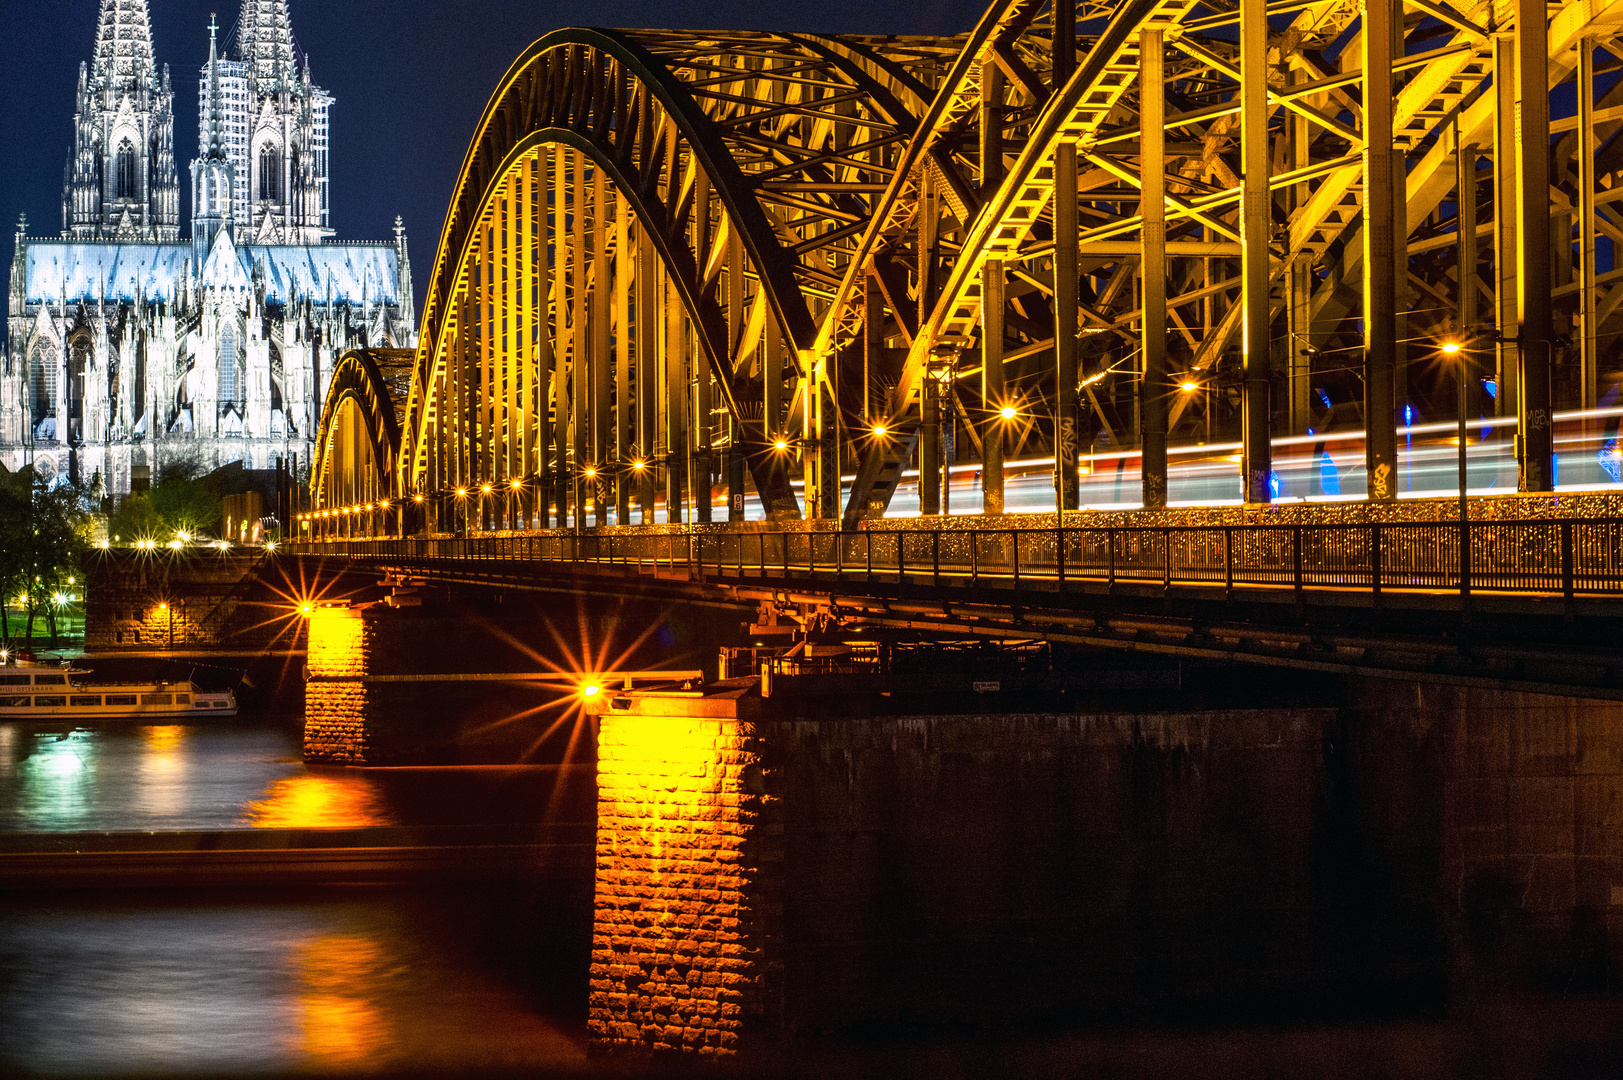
(794, 266)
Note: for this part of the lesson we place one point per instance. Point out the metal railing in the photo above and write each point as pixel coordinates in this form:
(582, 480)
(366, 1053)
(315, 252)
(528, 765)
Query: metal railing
(1570, 557)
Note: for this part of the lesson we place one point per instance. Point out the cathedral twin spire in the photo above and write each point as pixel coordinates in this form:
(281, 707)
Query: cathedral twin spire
(262, 136)
(121, 181)
(123, 43)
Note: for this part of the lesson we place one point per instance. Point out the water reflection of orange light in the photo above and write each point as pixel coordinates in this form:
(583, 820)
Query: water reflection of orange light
(320, 801)
(162, 764)
(340, 1019)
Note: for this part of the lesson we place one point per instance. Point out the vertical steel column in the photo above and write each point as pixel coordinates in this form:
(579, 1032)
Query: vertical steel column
(1589, 347)
(647, 324)
(1535, 318)
(1067, 482)
(1256, 227)
(1064, 40)
(822, 414)
(873, 342)
(513, 465)
(929, 444)
(490, 390)
(675, 373)
(772, 385)
(580, 355)
(1299, 290)
(523, 331)
(624, 403)
(737, 324)
(1380, 273)
(701, 471)
(600, 358)
(994, 389)
(1504, 222)
(566, 305)
(1154, 387)
(1465, 157)
(1401, 298)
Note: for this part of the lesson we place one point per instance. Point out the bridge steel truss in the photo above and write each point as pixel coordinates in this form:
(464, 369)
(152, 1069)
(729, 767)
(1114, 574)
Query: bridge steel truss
(679, 257)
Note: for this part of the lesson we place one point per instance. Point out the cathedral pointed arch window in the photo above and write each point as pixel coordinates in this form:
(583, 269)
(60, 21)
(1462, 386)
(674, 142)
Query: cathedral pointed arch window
(124, 172)
(43, 377)
(270, 174)
(230, 390)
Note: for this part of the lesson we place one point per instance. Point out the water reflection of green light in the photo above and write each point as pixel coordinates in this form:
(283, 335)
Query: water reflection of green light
(55, 775)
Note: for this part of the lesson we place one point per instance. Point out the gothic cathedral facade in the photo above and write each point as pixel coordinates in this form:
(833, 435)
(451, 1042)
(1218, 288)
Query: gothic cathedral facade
(129, 346)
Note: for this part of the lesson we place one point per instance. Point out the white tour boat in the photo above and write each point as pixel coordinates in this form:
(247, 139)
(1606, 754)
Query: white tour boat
(30, 691)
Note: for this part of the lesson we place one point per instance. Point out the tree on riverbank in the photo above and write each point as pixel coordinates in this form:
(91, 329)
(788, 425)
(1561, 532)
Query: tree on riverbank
(45, 532)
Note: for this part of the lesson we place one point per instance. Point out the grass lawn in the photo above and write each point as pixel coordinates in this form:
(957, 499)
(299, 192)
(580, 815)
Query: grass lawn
(70, 627)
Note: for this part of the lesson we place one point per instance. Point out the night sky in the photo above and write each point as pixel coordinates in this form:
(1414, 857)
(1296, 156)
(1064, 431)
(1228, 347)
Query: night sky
(411, 78)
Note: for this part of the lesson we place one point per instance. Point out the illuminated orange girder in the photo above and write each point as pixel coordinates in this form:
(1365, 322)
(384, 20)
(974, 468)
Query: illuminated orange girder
(672, 247)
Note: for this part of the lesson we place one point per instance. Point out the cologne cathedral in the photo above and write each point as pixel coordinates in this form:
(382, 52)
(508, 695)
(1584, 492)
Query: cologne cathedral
(129, 345)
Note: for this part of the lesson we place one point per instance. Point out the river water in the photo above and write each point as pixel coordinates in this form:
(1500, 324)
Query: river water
(255, 981)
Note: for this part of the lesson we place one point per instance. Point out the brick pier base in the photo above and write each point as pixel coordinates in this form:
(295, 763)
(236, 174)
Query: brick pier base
(685, 950)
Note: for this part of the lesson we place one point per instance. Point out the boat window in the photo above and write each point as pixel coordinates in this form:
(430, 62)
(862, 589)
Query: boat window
(182, 699)
(87, 699)
(201, 704)
(50, 702)
(50, 680)
(14, 702)
(13, 680)
(121, 699)
(156, 699)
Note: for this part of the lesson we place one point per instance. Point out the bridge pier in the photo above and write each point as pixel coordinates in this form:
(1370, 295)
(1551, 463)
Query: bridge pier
(769, 869)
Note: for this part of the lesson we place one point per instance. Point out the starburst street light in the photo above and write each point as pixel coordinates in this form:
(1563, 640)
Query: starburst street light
(516, 484)
(1008, 412)
(417, 497)
(1451, 347)
(879, 430)
(485, 489)
(1189, 386)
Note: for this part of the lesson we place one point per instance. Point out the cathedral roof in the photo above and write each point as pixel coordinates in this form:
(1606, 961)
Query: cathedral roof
(126, 271)
(123, 41)
(223, 269)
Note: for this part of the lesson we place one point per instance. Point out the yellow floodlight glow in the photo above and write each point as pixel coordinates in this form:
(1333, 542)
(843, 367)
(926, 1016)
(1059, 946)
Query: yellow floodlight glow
(590, 690)
(417, 497)
(591, 471)
(485, 489)
(1451, 347)
(1008, 412)
(781, 444)
(516, 484)
(879, 431)
(462, 493)
(270, 545)
(639, 465)
(306, 608)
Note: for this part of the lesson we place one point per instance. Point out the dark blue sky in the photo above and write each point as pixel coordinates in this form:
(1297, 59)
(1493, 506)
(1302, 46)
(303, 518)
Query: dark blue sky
(411, 78)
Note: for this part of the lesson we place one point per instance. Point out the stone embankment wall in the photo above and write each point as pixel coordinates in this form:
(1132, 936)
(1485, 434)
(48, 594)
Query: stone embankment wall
(198, 598)
(1399, 851)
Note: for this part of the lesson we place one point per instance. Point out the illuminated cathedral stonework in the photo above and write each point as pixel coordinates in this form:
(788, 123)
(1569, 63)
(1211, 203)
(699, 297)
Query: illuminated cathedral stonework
(130, 346)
